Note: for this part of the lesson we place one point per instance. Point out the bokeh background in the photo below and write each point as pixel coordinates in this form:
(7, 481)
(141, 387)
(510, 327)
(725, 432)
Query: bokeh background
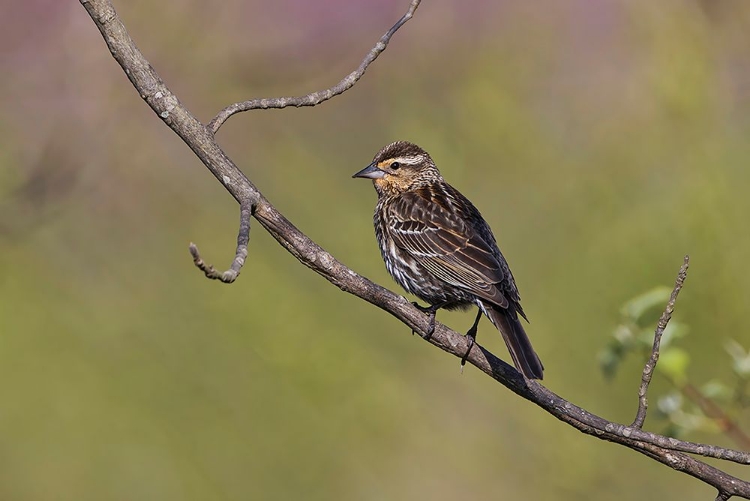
(602, 140)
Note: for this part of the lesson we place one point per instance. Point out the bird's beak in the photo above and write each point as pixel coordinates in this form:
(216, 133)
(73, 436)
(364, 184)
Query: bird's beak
(370, 172)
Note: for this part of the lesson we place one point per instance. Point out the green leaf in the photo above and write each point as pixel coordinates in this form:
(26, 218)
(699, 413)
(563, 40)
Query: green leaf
(674, 363)
(675, 330)
(740, 358)
(609, 359)
(694, 421)
(623, 335)
(716, 390)
(670, 403)
(642, 304)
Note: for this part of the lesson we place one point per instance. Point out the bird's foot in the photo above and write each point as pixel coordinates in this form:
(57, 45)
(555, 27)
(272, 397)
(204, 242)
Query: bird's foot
(430, 310)
(423, 309)
(471, 336)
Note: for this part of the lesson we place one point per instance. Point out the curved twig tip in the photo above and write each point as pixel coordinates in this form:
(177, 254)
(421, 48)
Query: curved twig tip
(315, 98)
(243, 237)
(226, 277)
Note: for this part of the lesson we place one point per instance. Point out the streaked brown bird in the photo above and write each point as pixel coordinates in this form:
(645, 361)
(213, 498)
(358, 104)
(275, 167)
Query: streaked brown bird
(437, 246)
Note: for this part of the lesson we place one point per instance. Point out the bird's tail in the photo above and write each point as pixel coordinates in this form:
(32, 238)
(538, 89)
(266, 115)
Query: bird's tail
(524, 357)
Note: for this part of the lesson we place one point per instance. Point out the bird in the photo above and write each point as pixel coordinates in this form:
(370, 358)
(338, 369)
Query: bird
(438, 247)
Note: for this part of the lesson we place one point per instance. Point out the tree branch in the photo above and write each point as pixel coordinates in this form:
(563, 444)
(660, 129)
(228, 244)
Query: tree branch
(200, 139)
(240, 255)
(648, 369)
(315, 98)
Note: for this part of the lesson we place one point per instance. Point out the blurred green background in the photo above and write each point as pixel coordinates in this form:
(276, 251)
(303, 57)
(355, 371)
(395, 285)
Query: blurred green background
(601, 140)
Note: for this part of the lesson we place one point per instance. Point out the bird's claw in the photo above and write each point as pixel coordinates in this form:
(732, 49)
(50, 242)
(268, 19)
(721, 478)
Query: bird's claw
(472, 337)
(430, 310)
(423, 309)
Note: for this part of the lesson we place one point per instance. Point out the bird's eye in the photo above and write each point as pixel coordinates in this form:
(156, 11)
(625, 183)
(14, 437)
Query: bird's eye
(395, 165)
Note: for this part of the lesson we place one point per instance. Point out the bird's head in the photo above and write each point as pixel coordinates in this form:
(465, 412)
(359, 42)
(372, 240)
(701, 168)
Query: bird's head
(400, 167)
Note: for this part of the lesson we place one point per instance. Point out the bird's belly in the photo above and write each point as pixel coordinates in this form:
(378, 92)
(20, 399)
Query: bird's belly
(417, 280)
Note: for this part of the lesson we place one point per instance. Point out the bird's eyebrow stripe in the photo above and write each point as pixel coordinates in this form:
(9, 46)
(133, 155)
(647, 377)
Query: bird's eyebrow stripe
(409, 160)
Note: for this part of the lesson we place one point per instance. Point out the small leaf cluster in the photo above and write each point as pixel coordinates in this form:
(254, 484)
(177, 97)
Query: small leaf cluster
(686, 407)
(635, 334)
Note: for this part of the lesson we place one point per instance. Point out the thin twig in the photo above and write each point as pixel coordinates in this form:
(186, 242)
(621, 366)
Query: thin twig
(315, 98)
(648, 369)
(240, 255)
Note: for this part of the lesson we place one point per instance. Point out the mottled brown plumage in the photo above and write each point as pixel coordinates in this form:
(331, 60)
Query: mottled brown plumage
(437, 246)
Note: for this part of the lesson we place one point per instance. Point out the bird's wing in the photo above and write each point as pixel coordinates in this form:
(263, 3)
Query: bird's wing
(435, 231)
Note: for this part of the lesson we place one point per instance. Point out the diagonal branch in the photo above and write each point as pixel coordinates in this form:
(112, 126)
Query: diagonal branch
(200, 139)
(315, 98)
(240, 255)
(712, 410)
(648, 369)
